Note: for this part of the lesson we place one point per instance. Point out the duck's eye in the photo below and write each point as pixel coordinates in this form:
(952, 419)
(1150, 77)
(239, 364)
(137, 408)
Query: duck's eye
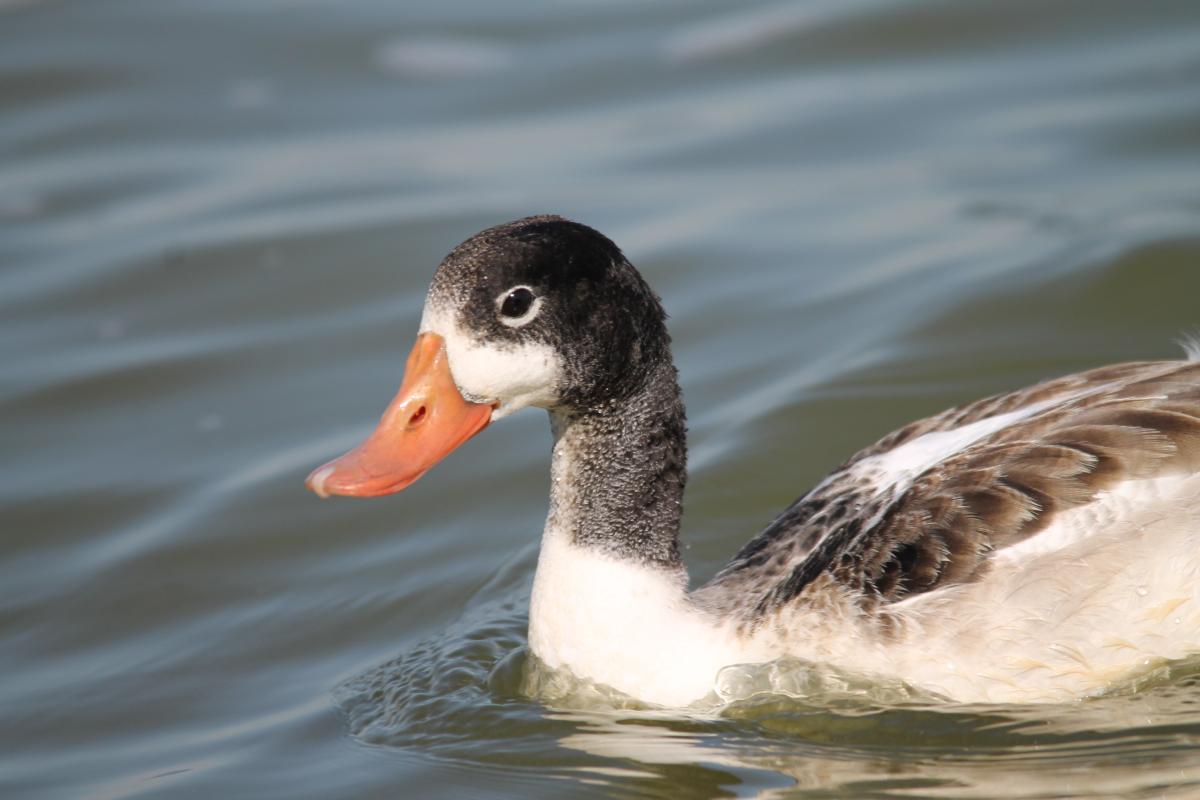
(517, 306)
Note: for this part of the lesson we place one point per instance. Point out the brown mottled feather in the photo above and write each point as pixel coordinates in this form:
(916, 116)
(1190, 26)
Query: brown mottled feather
(1109, 425)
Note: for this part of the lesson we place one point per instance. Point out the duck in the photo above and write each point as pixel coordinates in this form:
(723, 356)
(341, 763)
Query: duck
(1041, 545)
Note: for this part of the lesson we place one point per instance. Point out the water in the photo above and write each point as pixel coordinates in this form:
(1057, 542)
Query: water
(217, 221)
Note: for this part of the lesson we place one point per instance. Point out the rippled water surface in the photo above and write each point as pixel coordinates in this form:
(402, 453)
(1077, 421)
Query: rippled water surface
(217, 221)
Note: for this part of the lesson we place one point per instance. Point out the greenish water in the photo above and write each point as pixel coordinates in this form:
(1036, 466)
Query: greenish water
(217, 221)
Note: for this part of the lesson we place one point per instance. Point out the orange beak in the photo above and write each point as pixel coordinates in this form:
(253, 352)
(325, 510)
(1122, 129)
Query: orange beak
(426, 421)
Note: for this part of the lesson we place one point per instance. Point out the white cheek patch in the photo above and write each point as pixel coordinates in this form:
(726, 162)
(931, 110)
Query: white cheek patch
(511, 375)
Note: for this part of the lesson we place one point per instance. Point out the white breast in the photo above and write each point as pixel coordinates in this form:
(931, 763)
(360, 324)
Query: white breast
(624, 625)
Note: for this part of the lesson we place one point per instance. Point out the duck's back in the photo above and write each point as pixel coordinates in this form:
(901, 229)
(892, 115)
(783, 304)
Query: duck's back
(1013, 522)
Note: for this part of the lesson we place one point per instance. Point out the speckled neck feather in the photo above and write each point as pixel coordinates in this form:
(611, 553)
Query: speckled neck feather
(619, 471)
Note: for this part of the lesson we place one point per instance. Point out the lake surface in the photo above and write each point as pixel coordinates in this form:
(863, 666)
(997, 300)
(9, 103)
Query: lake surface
(217, 223)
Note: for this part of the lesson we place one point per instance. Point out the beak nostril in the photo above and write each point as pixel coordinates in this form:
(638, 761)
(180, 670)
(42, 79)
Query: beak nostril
(417, 417)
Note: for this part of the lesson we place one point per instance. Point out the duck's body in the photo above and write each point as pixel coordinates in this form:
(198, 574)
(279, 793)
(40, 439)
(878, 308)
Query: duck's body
(976, 555)
(1034, 546)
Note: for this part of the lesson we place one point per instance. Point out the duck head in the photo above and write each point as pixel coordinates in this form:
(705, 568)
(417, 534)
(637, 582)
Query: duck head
(538, 312)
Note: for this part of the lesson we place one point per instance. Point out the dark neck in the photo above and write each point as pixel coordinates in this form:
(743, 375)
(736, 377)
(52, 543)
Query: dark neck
(619, 473)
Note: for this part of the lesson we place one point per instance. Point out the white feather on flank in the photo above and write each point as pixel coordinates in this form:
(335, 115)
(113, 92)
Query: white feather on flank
(1107, 589)
(1190, 343)
(897, 468)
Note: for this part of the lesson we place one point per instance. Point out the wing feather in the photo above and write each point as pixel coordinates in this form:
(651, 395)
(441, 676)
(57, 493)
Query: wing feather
(1094, 430)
